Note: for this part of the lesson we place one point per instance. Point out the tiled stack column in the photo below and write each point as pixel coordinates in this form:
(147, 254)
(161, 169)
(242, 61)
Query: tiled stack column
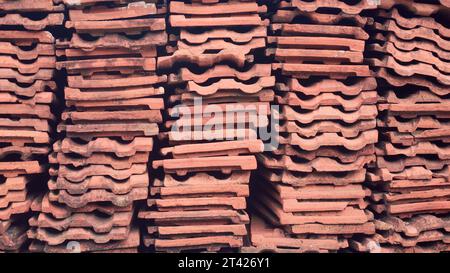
(411, 191)
(310, 190)
(27, 91)
(113, 107)
(199, 202)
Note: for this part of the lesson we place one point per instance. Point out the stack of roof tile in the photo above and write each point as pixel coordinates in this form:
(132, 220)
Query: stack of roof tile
(27, 65)
(199, 202)
(310, 187)
(411, 197)
(112, 112)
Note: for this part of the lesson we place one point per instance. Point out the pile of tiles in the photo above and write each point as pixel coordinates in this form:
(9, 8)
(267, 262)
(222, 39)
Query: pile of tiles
(355, 156)
(310, 187)
(411, 196)
(199, 202)
(27, 66)
(112, 112)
